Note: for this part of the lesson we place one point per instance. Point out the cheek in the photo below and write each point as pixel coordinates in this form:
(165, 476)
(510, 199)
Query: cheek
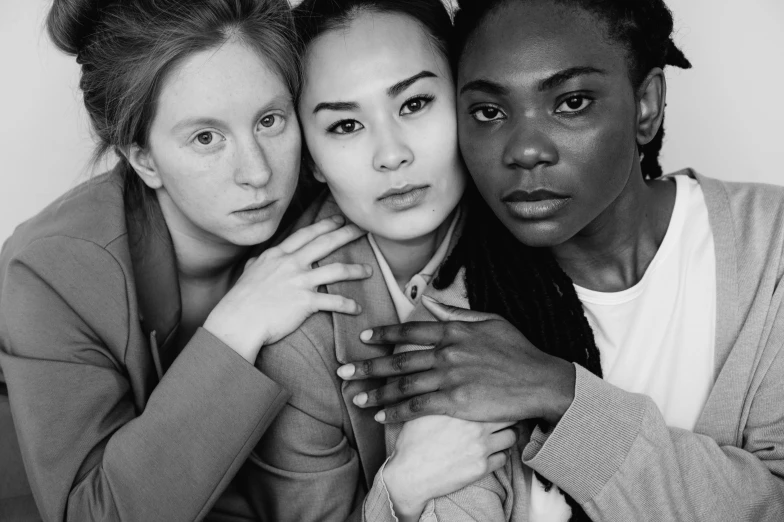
(284, 153)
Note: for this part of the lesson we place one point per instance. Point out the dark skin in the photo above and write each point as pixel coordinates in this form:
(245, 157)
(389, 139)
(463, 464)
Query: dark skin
(555, 111)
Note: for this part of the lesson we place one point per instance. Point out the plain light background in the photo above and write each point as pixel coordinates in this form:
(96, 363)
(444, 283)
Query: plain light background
(724, 116)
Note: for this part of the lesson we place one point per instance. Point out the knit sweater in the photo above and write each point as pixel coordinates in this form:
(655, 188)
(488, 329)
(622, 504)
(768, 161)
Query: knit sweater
(612, 451)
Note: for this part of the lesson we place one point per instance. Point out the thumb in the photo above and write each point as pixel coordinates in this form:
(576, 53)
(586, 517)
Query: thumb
(444, 312)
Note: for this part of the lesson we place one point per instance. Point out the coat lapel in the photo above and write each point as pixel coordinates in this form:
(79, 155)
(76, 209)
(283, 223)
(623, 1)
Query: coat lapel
(377, 310)
(156, 280)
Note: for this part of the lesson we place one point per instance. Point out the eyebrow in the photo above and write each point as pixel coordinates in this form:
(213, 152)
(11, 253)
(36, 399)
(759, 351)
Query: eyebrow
(278, 101)
(564, 76)
(392, 92)
(557, 79)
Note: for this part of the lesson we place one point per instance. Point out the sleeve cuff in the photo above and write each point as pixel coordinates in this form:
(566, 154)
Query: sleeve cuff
(591, 441)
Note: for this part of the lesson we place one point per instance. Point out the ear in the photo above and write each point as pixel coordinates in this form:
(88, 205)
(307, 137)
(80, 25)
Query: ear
(142, 162)
(317, 173)
(650, 105)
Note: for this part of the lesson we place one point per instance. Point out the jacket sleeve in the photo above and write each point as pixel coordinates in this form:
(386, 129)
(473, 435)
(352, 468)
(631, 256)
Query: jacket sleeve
(614, 454)
(90, 453)
(304, 469)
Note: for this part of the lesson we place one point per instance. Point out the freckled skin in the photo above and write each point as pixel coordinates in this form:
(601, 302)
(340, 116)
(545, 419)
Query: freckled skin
(590, 157)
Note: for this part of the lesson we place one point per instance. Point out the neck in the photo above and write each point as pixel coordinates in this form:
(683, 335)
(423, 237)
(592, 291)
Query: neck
(407, 258)
(613, 252)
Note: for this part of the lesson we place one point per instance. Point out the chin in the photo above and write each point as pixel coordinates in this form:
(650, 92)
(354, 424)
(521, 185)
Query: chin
(410, 227)
(258, 233)
(538, 234)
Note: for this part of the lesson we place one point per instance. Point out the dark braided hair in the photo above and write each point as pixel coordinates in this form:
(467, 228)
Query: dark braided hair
(526, 285)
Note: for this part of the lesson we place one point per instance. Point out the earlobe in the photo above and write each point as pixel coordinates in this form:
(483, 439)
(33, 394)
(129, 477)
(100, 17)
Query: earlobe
(318, 175)
(142, 162)
(651, 100)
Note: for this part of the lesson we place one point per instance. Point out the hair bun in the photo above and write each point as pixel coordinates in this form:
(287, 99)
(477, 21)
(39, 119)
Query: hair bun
(70, 23)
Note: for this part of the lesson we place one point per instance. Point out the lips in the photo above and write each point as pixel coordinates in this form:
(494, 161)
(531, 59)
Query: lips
(403, 198)
(256, 206)
(535, 204)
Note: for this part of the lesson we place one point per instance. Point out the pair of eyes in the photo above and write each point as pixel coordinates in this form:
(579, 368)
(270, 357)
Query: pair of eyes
(270, 121)
(572, 105)
(411, 106)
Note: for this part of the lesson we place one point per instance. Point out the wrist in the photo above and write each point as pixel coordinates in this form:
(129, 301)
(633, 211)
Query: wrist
(408, 505)
(232, 338)
(560, 391)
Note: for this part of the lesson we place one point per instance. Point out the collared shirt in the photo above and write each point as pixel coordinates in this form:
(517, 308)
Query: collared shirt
(405, 300)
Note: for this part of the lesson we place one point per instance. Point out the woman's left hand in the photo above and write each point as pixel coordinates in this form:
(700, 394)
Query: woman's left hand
(481, 368)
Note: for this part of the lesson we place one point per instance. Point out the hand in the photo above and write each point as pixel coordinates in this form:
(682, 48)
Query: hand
(481, 368)
(438, 455)
(278, 290)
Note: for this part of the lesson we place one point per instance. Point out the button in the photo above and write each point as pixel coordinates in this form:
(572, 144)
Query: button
(414, 292)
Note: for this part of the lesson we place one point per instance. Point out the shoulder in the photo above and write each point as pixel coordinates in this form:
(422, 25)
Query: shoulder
(93, 211)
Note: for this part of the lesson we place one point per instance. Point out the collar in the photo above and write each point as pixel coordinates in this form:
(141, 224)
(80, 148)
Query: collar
(405, 300)
(156, 280)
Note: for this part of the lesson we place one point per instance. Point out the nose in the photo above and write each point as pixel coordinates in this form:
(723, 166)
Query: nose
(253, 169)
(529, 147)
(391, 152)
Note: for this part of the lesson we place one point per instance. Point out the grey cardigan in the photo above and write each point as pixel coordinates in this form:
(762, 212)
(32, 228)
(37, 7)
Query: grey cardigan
(613, 452)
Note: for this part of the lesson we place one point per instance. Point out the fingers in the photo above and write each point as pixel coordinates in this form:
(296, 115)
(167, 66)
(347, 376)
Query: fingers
(334, 272)
(419, 406)
(325, 244)
(335, 303)
(424, 333)
(403, 388)
(388, 366)
(496, 461)
(502, 440)
(444, 312)
(305, 235)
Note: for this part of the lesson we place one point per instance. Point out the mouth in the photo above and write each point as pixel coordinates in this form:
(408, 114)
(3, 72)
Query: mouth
(256, 212)
(404, 197)
(535, 204)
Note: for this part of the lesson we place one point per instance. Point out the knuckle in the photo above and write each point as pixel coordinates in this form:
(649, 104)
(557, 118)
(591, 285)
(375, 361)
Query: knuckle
(417, 404)
(454, 329)
(460, 396)
(393, 415)
(377, 396)
(450, 355)
(404, 384)
(400, 361)
(367, 367)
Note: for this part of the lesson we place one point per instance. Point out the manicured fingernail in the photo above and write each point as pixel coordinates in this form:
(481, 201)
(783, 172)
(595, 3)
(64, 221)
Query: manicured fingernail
(360, 399)
(338, 219)
(369, 270)
(346, 371)
(380, 416)
(366, 335)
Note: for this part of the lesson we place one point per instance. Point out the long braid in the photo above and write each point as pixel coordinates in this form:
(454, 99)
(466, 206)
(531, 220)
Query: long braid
(526, 285)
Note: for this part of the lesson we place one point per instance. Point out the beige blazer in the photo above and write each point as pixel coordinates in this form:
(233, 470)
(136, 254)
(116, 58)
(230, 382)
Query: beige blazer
(318, 459)
(113, 423)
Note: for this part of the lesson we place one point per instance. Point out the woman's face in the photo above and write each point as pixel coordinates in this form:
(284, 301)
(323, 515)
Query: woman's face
(547, 119)
(224, 147)
(378, 113)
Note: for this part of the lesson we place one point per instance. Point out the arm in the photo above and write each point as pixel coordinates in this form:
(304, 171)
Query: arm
(90, 452)
(610, 449)
(304, 468)
(626, 464)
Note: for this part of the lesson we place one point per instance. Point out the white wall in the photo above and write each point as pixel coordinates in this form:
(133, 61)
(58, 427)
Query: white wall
(725, 116)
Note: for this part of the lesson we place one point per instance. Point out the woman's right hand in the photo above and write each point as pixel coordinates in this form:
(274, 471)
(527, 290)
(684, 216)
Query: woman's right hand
(437, 455)
(278, 290)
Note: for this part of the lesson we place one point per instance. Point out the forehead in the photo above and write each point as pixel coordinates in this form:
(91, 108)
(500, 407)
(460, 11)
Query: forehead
(374, 51)
(221, 80)
(531, 40)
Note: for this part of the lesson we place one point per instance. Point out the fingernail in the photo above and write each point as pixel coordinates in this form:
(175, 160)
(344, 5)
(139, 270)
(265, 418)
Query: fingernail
(346, 371)
(428, 298)
(369, 270)
(360, 399)
(380, 416)
(366, 335)
(338, 219)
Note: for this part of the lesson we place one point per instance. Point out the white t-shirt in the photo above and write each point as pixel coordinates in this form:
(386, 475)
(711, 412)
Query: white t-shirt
(657, 337)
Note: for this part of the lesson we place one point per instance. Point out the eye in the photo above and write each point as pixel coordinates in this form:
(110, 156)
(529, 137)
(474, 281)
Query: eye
(415, 104)
(574, 104)
(270, 121)
(346, 127)
(206, 138)
(488, 113)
